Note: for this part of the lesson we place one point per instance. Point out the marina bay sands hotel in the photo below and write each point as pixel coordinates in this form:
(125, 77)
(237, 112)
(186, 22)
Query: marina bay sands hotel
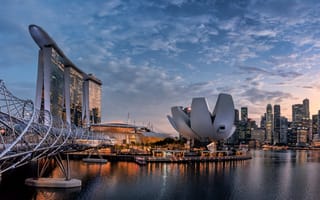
(62, 88)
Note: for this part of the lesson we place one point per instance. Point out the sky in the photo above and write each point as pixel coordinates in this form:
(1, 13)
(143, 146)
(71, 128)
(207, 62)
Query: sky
(152, 55)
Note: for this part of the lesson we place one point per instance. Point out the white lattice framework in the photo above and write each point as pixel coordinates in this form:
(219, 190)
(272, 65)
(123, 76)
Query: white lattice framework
(29, 134)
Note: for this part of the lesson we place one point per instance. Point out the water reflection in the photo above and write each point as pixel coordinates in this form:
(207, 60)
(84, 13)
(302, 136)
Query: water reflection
(269, 175)
(47, 193)
(155, 180)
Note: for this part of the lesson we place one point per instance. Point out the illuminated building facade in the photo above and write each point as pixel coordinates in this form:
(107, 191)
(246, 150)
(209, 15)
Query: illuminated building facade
(127, 133)
(62, 88)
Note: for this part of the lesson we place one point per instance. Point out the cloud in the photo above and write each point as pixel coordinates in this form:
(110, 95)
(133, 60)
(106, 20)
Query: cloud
(277, 72)
(255, 95)
(146, 90)
(110, 8)
(307, 87)
(257, 99)
(167, 46)
(151, 55)
(230, 24)
(177, 2)
(264, 33)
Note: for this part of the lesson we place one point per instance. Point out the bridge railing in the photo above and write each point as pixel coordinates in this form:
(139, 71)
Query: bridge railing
(27, 133)
(16, 117)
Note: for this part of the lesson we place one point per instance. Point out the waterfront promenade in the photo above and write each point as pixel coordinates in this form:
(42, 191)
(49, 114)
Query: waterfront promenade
(172, 158)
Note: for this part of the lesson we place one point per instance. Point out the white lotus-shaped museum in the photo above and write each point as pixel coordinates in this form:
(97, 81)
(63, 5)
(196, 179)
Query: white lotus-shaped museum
(198, 123)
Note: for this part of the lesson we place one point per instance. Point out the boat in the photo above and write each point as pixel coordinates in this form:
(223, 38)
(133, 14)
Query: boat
(140, 160)
(94, 160)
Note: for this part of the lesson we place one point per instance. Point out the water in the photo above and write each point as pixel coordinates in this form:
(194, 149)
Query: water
(269, 175)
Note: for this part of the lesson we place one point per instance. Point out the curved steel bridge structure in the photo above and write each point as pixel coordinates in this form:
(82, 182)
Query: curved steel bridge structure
(29, 134)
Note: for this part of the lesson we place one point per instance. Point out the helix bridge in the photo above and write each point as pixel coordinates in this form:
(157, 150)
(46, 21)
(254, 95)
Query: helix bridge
(28, 134)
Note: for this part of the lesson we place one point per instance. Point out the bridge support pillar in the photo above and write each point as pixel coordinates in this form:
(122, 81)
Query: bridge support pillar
(64, 182)
(53, 182)
(94, 160)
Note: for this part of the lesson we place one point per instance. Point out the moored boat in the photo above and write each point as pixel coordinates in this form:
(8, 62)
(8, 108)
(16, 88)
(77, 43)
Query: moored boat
(140, 160)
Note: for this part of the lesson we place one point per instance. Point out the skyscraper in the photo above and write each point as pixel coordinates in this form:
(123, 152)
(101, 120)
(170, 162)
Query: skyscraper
(244, 113)
(292, 134)
(93, 106)
(263, 121)
(316, 129)
(62, 88)
(306, 108)
(297, 113)
(243, 126)
(318, 132)
(315, 124)
(283, 130)
(236, 115)
(277, 124)
(301, 122)
(269, 125)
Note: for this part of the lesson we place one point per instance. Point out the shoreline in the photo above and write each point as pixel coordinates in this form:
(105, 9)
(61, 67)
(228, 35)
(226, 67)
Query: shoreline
(152, 159)
(266, 148)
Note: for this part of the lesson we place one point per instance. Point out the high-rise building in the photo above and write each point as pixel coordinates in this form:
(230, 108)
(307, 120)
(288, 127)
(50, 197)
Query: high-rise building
(292, 134)
(263, 121)
(258, 134)
(316, 129)
(283, 130)
(315, 124)
(301, 122)
(236, 115)
(306, 109)
(269, 125)
(318, 132)
(252, 124)
(277, 124)
(243, 126)
(93, 86)
(62, 88)
(244, 113)
(297, 112)
(236, 123)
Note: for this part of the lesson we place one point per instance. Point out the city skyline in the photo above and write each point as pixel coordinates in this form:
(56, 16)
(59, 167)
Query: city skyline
(153, 55)
(277, 107)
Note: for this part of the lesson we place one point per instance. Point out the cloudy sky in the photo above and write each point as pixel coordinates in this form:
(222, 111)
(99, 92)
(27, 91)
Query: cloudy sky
(152, 55)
